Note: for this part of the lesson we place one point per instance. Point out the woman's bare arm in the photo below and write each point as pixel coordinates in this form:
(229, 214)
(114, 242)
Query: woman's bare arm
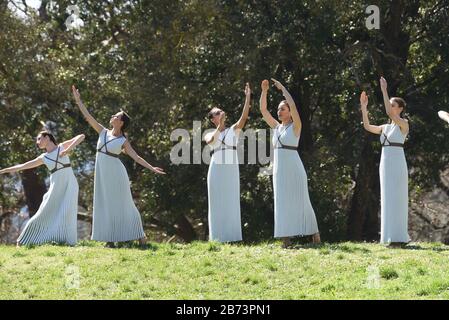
(24, 166)
(133, 154)
(297, 124)
(443, 115)
(402, 123)
(91, 120)
(366, 124)
(272, 122)
(244, 117)
(69, 145)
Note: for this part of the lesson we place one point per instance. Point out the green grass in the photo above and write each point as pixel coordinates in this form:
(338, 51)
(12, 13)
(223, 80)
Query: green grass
(204, 270)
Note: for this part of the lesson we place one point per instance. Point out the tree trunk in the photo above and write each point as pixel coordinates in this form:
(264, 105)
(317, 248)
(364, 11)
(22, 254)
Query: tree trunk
(363, 222)
(34, 189)
(303, 101)
(43, 15)
(185, 229)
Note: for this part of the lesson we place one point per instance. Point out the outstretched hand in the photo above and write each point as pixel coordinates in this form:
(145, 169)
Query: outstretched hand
(443, 115)
(383, 83)
(247, 90)
(265, 85)
(278, 84)
(76, 94)
(363, 100)
(158, 170)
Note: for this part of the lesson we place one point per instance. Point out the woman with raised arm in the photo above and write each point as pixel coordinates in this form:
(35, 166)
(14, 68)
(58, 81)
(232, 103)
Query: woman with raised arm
(293, 212)
(115, 216)
(223, 178)
(56, 218)
(393, 168)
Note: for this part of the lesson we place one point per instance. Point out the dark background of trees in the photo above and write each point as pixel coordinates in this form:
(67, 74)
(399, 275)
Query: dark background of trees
(167, 61)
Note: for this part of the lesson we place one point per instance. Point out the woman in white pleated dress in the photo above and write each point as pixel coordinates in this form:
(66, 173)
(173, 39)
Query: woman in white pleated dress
(293, 211)
(393, 168)
(223, 178)
(115, 216)
(56, 218)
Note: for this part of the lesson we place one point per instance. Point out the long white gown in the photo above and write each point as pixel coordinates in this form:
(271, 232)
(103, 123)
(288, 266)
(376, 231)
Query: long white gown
(393, 187)
(115, 216)
(293, 212)
(223, 182)
(56, 218)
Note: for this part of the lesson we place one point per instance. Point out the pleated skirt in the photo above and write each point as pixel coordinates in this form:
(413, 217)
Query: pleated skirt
(293, 212)
(223, 186)
(115, 216)
(393, 196)
(56, 218)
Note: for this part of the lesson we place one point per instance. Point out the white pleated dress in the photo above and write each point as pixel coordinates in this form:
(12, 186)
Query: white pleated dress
(115, 216)
(56, 218)
(223, 186)
(293, 212)
(393, 187)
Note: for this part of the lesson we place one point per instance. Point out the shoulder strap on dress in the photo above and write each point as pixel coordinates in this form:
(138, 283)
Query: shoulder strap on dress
(385, 139)
(224, 137)
(390, 144)
(57, 159)
(106, 142)
(281, 133)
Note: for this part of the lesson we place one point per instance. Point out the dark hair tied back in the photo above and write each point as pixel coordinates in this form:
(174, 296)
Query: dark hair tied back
(126, 121)
(48, 134)
(401, 103)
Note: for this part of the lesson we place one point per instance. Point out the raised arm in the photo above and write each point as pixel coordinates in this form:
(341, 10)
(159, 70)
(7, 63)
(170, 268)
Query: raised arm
(27, 165)
(133, 154)
(91, 120)
(69, 145)
(443, 115)
(297, 124)
(364, 106)
(272, 122)
(244, 117)
(403, 124)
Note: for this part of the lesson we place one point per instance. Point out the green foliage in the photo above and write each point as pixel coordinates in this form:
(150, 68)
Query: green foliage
(166, 62)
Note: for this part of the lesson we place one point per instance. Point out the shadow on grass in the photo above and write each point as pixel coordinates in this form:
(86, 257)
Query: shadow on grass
(305, 243)
(47, 244)
(135, 245)
(298, 243)
(416, 246)
(328, 247)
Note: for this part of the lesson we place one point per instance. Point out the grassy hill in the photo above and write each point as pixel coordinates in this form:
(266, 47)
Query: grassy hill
(220, 271)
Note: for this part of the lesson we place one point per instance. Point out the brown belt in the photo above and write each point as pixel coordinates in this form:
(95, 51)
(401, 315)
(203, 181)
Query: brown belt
(63, 167)
(224, 148)
(394, 144)
(287, 147)
(109, 153)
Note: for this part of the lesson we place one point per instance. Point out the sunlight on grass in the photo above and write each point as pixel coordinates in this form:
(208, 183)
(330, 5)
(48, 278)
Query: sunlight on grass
(210, 270)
